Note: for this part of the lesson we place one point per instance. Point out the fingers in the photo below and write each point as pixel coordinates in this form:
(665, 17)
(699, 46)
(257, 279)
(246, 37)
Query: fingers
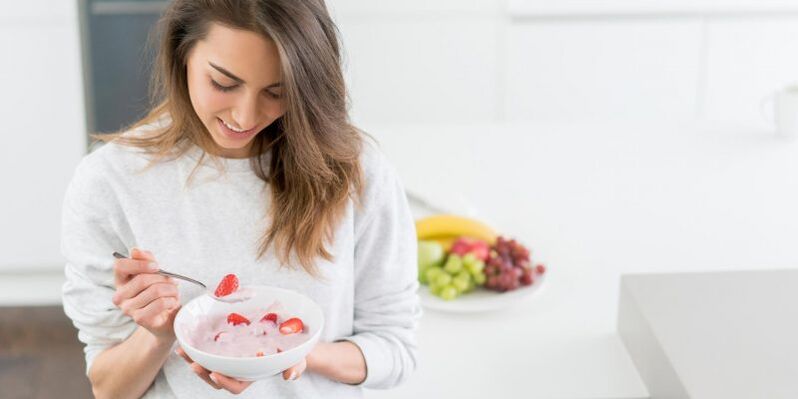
(233, 385)
(153, 314)
(204, 374)
(294, 372)
(139, 262)
(183, 354)
(143, 298)
(216, 380)
(197, 369)
(137, 285)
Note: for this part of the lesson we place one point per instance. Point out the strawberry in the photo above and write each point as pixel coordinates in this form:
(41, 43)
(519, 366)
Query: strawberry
(259, 354)
(272, 317)
(279, 350)
(227, 286)
(236, 319)
(291, 326)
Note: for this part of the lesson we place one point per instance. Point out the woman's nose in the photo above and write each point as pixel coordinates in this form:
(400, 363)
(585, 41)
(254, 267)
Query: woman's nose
(247, 113)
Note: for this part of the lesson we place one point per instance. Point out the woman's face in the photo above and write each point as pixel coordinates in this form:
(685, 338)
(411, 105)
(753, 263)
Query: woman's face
(234, 81)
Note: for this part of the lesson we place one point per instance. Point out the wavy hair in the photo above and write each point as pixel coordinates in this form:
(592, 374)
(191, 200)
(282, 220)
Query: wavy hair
(314, 166)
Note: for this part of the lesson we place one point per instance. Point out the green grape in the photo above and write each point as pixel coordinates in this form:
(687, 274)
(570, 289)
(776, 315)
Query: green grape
(432, 272)
(435, 289)
(471, 285)
(448, 293)
(480, 265)
(453, 265)
(476, 267)
(480, 278)
(463, 275)
(443, 279)
(469, 259)
(422, 274)
(461, 285)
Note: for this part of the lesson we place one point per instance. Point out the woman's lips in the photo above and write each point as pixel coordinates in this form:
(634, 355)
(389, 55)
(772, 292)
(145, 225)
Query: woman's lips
(234, 134)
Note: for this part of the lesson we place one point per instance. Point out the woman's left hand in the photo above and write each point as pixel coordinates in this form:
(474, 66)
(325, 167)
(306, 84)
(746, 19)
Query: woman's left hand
(233, 385)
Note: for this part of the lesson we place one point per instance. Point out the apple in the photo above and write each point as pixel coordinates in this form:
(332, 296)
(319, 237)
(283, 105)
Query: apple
(466, 245)
(430, 253)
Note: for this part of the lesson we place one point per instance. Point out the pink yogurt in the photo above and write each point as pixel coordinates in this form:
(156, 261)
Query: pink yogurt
(215, 335)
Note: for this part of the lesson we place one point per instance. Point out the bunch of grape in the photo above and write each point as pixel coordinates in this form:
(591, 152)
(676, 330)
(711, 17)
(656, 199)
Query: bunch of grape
(456, 276)
(509, 266)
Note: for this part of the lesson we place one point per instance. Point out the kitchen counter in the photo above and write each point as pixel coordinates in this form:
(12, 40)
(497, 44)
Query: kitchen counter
(728, 335)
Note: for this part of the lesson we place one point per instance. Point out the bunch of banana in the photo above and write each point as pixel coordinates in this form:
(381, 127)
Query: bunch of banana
(445, 229)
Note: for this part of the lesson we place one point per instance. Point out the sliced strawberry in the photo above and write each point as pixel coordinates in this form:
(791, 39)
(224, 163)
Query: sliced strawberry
(291, 326)
(236, 319)
(279, 350)
(272, 317)
(227, 286)
(259, 354)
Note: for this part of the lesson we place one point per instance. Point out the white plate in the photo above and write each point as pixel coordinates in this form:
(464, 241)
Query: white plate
(479, 300)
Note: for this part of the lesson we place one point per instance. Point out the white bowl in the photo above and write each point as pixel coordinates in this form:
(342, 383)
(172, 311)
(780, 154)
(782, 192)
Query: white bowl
(250, 368)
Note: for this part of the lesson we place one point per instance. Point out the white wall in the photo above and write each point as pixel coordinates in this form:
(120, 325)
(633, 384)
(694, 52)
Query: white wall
(43, 128)
(545, 61)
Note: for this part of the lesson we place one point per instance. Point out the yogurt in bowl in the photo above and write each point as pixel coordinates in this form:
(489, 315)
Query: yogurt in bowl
(253, 339)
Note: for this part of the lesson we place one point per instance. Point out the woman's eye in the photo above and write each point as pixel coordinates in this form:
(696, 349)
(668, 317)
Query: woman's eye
(273, 95)
(221, 87)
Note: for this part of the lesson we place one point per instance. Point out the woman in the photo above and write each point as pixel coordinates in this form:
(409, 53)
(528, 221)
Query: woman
(247, 165)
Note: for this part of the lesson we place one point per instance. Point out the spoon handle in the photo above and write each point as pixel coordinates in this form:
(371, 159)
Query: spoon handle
(165, 273)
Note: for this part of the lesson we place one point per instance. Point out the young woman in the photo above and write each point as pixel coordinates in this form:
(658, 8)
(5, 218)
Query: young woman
(247, 165)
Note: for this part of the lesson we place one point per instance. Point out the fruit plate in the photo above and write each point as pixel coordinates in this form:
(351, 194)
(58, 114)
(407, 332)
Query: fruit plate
(479, 300)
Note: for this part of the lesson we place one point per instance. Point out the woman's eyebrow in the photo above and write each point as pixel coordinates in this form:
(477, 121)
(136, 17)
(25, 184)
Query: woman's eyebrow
(236, 78)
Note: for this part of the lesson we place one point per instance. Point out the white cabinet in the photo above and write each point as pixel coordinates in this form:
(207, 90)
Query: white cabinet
(43, 129)
(619, 70)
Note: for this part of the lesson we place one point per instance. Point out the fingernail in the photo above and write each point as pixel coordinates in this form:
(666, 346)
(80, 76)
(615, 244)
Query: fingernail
(152, 266)
(215, 381)
(292, 376)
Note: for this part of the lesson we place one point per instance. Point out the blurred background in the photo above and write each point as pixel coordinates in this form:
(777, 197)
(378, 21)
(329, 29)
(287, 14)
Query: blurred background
(610, 137)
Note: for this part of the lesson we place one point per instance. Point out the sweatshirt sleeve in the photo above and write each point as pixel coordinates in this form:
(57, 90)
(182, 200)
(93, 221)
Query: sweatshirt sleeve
(387, 307)
(88, 238)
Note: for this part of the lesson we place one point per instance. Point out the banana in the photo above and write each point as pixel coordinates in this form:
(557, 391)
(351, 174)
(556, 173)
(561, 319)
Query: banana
(451, 226)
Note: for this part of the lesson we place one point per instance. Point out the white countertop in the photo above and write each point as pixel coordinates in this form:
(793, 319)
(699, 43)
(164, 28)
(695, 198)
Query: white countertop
(730, 335)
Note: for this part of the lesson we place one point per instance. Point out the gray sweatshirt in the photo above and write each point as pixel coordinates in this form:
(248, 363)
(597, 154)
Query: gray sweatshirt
(212, 227)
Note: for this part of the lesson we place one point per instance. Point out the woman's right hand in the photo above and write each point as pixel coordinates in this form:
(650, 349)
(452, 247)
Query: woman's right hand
(150, 299)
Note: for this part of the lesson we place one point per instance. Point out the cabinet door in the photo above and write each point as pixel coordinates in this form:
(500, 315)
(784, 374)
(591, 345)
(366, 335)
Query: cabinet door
(43, 130)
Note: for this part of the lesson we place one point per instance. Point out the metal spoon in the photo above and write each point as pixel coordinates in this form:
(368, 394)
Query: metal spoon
(238, 296)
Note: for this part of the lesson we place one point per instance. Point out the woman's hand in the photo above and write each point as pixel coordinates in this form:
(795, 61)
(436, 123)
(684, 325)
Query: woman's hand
(150, 299)
(233, 385)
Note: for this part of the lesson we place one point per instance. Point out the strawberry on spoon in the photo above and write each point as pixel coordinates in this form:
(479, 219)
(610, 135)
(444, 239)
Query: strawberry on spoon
(227, 291)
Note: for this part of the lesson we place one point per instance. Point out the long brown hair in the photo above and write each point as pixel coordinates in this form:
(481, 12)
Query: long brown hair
(314, 168)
